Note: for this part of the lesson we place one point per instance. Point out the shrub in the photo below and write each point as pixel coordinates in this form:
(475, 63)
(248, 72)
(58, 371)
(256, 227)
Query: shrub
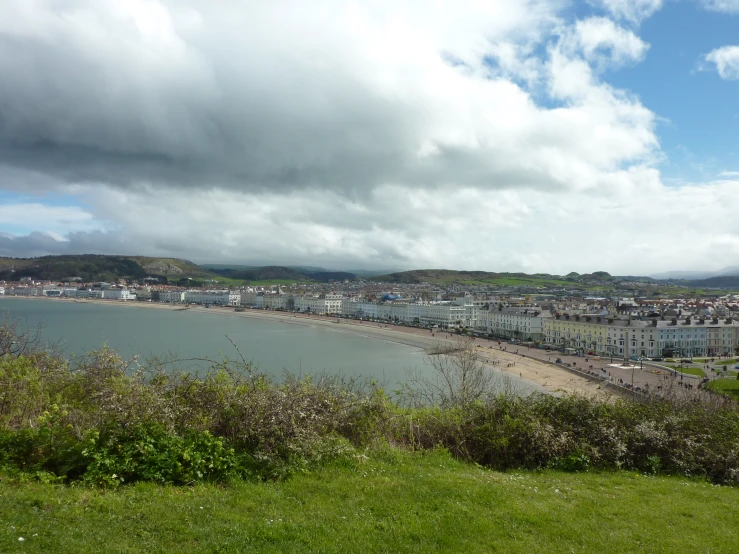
(106, 420)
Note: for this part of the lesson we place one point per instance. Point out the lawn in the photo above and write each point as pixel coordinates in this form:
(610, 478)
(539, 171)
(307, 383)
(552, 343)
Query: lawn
(688, 370)
(727, 386)
(399, 502)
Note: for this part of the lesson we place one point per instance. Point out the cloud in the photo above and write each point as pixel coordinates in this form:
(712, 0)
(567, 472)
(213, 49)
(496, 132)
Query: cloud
(634, 11)
(35, 215)
(605, 44)
(726, 6)
(478, 135)
(637, 230)
(189, 95)
(726, 61)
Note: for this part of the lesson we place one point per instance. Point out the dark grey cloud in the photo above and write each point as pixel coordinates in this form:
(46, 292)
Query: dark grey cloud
(279, 96)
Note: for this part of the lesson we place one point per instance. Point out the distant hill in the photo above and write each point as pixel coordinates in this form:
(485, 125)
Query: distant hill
(92, 267)
(724, 282)
(697, 275)
(448, 277)
(281, 273)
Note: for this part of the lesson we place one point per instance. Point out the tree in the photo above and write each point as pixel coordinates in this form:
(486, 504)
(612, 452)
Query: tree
(458, 377)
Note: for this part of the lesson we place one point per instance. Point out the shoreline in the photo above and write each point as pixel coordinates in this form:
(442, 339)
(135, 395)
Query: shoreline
(543, 375)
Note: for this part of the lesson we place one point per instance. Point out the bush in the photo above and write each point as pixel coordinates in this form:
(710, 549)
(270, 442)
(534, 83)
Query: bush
(108, 421)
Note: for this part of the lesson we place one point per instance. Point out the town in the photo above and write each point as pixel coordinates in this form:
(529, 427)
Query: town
(635, 328)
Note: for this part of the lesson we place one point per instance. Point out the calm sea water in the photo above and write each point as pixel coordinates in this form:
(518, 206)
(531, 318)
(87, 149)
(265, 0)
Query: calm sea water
(272, 346)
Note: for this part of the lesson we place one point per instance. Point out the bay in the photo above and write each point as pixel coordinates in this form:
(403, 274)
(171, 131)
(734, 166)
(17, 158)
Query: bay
(271, 345)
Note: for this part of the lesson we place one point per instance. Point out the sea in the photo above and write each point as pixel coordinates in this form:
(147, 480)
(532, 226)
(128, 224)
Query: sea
(271, 346)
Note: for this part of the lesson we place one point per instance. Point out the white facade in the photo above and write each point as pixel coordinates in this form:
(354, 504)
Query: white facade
(445, 314)
(520, 323)
(172, 296)
(212, 297)
(118, 294)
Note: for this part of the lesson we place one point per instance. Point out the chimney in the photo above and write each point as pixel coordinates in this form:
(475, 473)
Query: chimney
(674, 321)
(728, 320)
(715, 320)
(654, 323)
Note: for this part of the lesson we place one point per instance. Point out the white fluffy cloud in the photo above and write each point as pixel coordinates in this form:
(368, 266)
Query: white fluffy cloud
(477, 135)
(727, 6)
(634, 11)
(726, 61)
(639, 230)
(38, 216)
(604, 44)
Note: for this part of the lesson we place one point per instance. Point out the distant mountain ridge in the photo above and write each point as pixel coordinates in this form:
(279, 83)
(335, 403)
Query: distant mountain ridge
(94, 267)
(726, 271)
(281, 273)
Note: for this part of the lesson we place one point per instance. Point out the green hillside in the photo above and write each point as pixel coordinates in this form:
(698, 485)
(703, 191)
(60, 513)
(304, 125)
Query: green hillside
(280, 274)
(92, 267)
(448, 277)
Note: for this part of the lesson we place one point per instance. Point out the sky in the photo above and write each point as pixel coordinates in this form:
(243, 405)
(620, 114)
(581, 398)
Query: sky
(505, 135)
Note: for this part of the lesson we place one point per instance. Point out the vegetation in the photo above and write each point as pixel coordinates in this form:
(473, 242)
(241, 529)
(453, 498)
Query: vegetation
(389, 501)
(726, 386)
(688, 370)
(105, 421)
(306, 464)
(88, 267)
(281, 274)
(447, 277)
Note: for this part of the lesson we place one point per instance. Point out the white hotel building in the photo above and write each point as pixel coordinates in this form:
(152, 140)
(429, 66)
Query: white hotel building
(520, 323)
(444, 314)
(172, 296)
(212, 297)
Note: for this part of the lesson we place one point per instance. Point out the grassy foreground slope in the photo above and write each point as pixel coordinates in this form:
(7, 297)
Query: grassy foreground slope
(397, 502)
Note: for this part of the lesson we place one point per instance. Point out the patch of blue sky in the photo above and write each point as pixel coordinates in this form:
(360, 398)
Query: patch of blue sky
(698, 111)
(47, 199)
(21, 214)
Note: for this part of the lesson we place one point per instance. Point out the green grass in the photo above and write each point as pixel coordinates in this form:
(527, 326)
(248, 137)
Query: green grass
(727, 386)
(534, 282)
(727, 362)
(227, 281)
(692, 371)
(688, 370)
(403, 503)
(268, 282)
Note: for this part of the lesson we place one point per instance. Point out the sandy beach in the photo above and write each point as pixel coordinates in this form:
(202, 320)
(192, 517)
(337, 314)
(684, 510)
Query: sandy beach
(548, 376)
